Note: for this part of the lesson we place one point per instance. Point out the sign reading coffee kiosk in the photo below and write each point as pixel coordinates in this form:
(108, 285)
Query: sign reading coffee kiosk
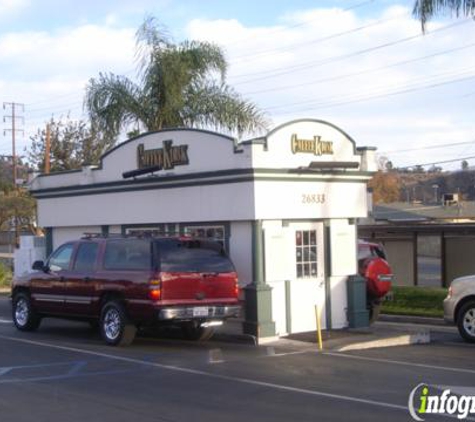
(165, 158)
(313, 146)
(285, 206)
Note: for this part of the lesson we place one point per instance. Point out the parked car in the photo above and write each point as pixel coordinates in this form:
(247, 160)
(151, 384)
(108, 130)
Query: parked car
(125, 283)
(373, 266)
(459, 306)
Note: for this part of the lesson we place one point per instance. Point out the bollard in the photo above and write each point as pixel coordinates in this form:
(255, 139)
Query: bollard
(319, 328)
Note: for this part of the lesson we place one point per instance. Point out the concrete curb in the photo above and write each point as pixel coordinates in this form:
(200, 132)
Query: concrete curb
(409, 319)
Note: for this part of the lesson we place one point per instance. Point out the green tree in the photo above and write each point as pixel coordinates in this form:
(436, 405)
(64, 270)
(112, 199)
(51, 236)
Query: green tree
(73, 144)
(424, 10)
(180, 85)
(17, 204)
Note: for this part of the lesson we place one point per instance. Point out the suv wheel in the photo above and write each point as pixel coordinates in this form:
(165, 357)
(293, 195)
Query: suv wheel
(194, 331)
(116, 329)
(23, 313)
(466, 322)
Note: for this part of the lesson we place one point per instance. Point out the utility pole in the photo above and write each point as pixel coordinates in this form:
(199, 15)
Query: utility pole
(13, 118)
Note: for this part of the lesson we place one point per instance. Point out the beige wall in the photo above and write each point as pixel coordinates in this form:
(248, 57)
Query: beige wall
(400, 254)
(460, 254)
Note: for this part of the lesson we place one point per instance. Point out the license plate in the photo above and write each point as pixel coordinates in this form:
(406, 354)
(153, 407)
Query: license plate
(200, 312)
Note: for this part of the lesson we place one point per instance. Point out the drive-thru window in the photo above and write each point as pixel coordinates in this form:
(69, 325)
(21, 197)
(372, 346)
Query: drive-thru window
(284, 205)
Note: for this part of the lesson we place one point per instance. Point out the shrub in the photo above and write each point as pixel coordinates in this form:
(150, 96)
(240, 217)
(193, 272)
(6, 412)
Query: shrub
(5, 275)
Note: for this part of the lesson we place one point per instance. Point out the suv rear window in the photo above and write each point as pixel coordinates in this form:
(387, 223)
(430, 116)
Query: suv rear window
(199, 256)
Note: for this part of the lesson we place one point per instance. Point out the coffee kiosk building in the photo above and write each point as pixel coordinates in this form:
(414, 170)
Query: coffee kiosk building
(284, 205)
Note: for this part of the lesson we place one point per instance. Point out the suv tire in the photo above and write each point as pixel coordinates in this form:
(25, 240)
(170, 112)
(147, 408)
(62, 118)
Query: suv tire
(193, 331)
(24, 315)
(115, 327)
(466, 321)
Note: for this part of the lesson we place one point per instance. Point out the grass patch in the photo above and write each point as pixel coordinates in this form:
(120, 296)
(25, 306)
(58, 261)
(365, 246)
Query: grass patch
(417, 301)
(5, 276)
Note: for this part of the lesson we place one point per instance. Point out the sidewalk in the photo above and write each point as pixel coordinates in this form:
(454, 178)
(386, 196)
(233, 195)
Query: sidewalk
(378, 335)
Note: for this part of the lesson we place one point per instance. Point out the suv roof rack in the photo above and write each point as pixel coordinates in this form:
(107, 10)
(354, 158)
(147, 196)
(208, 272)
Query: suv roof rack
(145, 234)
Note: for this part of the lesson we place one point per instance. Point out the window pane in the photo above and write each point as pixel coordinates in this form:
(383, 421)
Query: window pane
(306, 255)
(314, 270)
(313, 254)
(306, 238)
(306, 270)
(86, 257)
(299, 270)
(128, 254)
(313, 237)
(62, 257)
(299, 255)
(298, 238)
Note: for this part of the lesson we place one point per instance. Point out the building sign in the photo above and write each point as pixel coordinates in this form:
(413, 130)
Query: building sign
(311, 146)
(165, 158)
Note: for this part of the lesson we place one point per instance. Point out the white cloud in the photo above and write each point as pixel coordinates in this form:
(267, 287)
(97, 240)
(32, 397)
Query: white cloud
(306, 65)
(326, 63)
(10, 6)
(48, 71)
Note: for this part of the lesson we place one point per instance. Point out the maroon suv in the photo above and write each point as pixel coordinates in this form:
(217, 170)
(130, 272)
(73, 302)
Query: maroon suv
(125, 283)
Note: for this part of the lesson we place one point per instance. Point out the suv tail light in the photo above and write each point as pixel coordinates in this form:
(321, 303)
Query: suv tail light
(155, 291)
(236, 287)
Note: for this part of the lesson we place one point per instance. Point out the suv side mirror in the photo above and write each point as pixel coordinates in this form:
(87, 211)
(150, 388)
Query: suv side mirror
(39, 266)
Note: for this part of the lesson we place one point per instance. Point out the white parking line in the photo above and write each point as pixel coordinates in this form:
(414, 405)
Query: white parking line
(5, 321)
(190, 371)
(458, 344)
(399, 362)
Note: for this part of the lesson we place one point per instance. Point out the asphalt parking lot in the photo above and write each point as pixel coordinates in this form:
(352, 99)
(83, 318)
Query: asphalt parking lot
(63, 372)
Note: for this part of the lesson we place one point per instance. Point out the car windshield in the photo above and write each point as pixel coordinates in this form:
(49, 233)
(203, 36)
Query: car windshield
(193, 256)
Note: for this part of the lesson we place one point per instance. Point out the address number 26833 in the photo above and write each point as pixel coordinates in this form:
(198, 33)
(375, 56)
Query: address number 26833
(318, 198)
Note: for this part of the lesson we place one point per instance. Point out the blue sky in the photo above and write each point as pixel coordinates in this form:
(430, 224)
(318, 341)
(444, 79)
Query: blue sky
(50, 14)
(362, 65)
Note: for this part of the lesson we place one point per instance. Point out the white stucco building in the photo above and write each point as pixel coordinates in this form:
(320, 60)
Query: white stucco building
(284, 205)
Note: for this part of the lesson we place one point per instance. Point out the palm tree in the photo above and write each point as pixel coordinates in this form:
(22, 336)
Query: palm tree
(425, 9)
(180, 85)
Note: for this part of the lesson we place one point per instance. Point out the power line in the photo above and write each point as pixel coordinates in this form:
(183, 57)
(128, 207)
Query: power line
(362, 72)
(280, 29)
(316, 63)
(350, 100)
(439, 162)
(315, 41)
(427, 147)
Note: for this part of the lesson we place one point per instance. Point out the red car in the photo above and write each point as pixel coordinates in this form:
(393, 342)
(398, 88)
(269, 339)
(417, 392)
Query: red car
(373, 266)
(121, 284)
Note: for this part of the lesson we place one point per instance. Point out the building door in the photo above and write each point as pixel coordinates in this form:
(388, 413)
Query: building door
(307, 287)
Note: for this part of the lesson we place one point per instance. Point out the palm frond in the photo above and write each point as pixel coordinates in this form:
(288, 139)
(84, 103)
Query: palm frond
(112, 102)
(150, 37)
(424, 10)
(180, 85)
(221, 108)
